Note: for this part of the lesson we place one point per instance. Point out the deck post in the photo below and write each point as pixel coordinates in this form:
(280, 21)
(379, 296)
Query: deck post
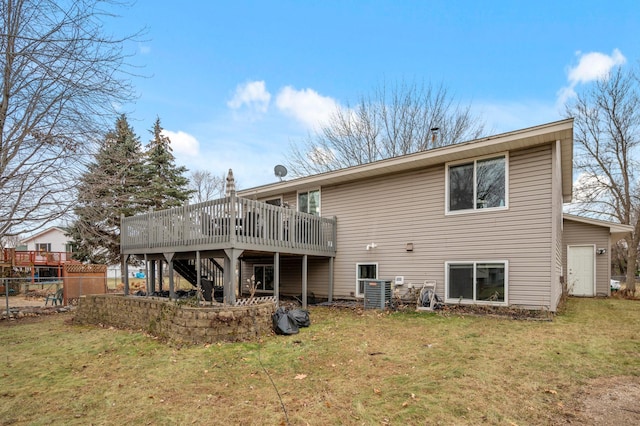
(199, 277)
(125, 271)
(152, 277)
(233, 221)
(169, 257)
(304, 281)
(330, 295)
(230, 275)
(276, 277)
(160, 279)
(146, 273)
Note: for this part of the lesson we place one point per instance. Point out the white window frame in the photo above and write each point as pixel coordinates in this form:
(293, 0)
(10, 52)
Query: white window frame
(263, 265)
(43, 247)
(358, 279)
(307, 192)
(476, 302)
(475, 160)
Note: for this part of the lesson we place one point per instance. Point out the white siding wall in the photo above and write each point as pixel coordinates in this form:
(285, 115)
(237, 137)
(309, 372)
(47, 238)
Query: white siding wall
(53, 236)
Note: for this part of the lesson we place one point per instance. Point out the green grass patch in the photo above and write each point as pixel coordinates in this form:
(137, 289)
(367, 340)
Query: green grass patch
(349, 368)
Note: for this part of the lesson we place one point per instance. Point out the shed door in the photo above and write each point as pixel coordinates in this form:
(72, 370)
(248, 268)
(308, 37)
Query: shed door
(581, 265)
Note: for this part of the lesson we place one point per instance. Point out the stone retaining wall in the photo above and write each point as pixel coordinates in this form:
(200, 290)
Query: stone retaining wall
(174, 321)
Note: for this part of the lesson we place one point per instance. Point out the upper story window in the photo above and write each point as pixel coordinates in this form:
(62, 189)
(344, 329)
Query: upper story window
(309, 202)
(43, 247)
(477, 184)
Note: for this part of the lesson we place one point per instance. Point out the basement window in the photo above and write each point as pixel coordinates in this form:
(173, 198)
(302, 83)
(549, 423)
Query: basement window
(476, 282)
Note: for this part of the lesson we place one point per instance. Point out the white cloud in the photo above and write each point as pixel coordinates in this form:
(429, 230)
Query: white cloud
(182, 143)
(591, 66)
(252, 95)
(307, 106)
(595, 65)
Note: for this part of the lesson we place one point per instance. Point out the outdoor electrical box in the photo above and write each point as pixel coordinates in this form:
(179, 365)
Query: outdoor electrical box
(377, 294)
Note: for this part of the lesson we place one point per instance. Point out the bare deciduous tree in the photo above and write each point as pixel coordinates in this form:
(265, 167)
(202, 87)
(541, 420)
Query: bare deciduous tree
(607, 139)
(206, 186)
(61, 80)
(405, 119)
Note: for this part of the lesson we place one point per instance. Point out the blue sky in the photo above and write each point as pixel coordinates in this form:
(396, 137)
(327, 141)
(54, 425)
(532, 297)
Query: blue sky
(236, 82)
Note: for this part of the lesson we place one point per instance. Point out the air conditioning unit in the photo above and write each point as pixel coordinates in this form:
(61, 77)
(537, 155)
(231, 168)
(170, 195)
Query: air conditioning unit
(377, 294)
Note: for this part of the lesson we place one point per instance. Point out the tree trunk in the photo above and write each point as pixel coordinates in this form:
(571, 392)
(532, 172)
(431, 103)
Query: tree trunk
(632, 259)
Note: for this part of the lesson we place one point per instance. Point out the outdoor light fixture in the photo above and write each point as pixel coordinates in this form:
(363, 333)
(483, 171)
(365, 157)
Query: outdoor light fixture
(601, 251)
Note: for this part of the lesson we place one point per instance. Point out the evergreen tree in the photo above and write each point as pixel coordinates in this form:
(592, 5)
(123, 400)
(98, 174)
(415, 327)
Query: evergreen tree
(166, 184)
(110, 187)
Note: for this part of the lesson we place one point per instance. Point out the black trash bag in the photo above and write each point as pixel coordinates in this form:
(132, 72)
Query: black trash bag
(300, 317)
(283, 323)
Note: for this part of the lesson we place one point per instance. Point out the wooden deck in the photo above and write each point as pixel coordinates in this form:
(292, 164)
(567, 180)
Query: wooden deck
(228, 223)
(17, 258)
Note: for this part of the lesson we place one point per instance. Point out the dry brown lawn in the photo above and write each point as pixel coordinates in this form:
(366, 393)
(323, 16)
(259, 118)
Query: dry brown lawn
(351, 367)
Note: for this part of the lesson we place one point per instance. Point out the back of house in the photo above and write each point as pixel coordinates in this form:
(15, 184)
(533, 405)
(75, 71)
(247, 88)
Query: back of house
(482, 219)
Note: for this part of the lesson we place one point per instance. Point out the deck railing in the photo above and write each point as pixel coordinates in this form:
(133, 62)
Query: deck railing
(232, 221)
(35, 257)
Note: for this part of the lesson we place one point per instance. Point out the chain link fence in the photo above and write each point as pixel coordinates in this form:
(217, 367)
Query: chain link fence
(44, 292)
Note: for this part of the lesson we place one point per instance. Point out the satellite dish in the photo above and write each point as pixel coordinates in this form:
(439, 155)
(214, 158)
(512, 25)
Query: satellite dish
(280, 171)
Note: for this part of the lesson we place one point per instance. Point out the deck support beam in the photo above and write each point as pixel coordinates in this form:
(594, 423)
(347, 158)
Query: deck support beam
(231, 275)
(304, 280)
(146, 275)
(172, 290)
(330, 292)
(198, 277)
(276, 277)
(152, 277)
(160, 279)
(125, 271)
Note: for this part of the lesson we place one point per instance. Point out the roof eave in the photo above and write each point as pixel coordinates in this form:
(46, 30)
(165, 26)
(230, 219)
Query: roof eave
(618, 231)
(561, 131)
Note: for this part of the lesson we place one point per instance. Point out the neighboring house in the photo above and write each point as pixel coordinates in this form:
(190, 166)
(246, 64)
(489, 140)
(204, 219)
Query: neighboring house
(481, 219)
(43, 254)
(50, 240)
(54, 244)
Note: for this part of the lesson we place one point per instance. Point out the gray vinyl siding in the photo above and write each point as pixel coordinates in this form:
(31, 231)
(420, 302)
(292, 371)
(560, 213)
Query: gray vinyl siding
(557, 230)
(409, 207)
(291, 274)
(576, 233)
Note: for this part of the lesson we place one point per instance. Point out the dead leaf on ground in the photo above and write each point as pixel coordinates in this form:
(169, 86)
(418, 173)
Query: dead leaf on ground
(300, 376)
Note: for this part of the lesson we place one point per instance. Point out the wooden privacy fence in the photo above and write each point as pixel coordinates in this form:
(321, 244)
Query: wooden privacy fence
(81, 280)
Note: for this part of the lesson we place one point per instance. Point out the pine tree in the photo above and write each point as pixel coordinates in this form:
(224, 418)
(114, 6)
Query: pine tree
(110, 187)
(167, 186)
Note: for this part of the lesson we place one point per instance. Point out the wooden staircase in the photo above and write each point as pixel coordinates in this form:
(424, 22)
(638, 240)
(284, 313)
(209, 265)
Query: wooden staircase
(212, 276)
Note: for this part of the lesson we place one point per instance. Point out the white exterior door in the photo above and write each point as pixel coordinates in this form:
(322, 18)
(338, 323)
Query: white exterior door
(581, 265)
